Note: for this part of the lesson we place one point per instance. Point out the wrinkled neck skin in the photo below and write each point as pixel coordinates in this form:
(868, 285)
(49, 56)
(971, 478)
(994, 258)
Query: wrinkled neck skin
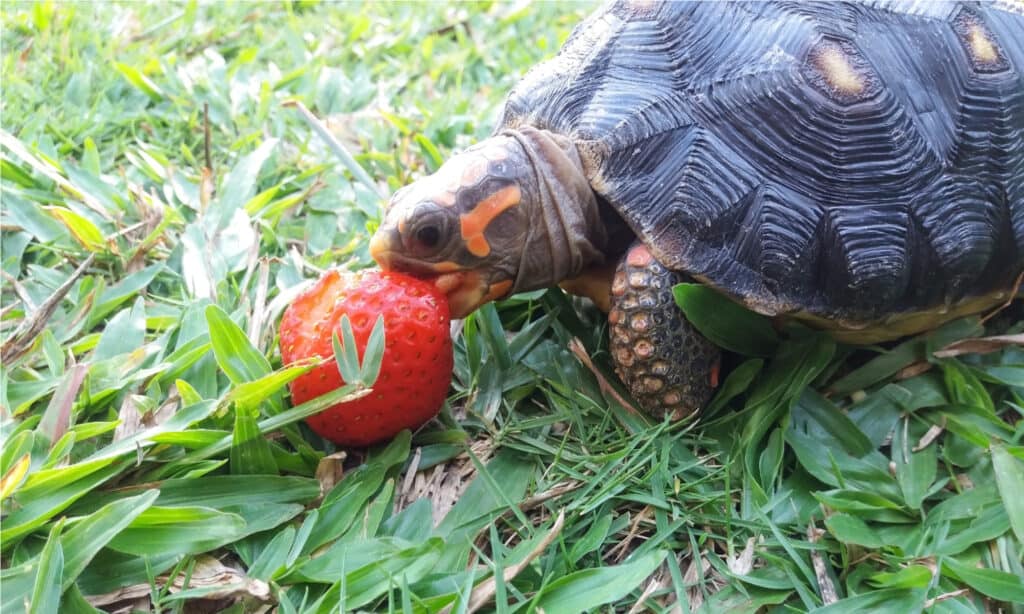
(565, 233)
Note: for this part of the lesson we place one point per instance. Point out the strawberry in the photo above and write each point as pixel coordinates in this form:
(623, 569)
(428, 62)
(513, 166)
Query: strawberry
(416, 367)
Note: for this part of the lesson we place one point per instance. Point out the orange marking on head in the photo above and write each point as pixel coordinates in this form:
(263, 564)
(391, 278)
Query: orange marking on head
(447, 267)
(715, 372)
(474, 223)
(498, 290)
(639, 256)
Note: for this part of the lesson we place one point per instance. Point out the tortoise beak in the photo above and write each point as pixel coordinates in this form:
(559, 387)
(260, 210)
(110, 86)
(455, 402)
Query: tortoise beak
(380, 249)
(465, 289)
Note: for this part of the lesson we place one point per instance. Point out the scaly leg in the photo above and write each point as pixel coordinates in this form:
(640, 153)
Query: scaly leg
(668, 366)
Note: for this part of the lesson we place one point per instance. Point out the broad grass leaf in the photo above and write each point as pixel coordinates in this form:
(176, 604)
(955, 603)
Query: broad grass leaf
(820, 417)
(163, 531)
(42, 226)
(328, 565)
(56, 419)
(839, 469)
(112, 297)
(731, 600)
(111, 570)
(235, 355)
(867, 505)
(46, 493)
(369, 582)
(413, 524)
(89, 535)
(592, 539)
(345, 503)
(267, 425)
(271, 560)
(47, 588)
(590, 588)
(250, 451)
(791, 370)
(887, 601)
(724, 322)
(498, 485)
(73, 602)
(1009, 471)
(878, 413)
(240, 184)
(124, 333)
(83, 230)
(888, 363)
(222, 491)
(850, 529)
(140, 440)
(14, 476)
(993, 583)
(263, 517)
(191, 439)
(372, 516)
(140, 81)
(987, 525)
(912, 576)
(735, 384)
(915, 470)
(1008, 375)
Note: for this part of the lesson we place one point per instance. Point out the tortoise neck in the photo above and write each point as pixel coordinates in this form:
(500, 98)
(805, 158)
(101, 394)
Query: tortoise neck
(565, 232)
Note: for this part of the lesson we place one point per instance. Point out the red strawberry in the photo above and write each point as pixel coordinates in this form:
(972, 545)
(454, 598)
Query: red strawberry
(416, 368)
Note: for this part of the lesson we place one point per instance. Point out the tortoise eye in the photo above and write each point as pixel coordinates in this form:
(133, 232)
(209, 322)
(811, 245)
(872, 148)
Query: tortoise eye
(428, 236)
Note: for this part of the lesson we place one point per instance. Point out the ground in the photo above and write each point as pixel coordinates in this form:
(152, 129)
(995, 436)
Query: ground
(161, 203)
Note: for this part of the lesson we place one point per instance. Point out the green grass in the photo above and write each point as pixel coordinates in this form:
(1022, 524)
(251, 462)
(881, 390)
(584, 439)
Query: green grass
(149, 445)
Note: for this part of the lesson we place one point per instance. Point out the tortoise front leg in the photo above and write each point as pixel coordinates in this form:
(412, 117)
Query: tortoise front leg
(668, 366)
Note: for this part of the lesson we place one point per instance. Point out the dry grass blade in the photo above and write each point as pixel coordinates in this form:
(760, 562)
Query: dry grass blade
(930, 435)
(224, 582)
(744, 563)
(622, 549)
(576, 347)
(828, 590)
(484, 592)
(329, 472)
(18, 149)
(980, 345)
(943, 597)
(339, 150)
(442, 484)
(18, 343)
(1009, 299)
(132, 419)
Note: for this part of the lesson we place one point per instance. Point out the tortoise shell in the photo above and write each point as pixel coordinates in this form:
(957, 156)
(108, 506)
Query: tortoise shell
(846, 162)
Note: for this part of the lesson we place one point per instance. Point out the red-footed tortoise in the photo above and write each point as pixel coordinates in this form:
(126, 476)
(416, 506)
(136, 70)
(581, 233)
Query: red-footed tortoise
(856, 166)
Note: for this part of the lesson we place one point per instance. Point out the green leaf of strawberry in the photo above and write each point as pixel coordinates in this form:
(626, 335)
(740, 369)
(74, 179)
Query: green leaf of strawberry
(399, 324)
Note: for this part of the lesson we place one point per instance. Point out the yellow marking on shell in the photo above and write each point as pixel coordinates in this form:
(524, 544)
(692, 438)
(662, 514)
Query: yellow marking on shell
(982, 47)
(474, 223)
(835, 66)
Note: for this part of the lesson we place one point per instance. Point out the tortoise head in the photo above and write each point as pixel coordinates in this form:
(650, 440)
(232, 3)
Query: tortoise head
(512, 213)
(464, 226)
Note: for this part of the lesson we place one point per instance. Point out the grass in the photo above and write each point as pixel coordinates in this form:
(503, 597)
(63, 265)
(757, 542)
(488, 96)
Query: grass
(151, 457)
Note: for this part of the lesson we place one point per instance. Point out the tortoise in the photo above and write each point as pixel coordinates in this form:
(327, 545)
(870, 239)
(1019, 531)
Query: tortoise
(857, 166)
